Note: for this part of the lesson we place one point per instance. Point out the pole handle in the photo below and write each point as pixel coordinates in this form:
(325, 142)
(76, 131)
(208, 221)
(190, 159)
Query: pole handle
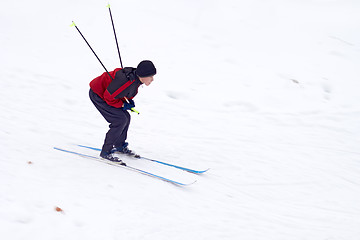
(132, 109)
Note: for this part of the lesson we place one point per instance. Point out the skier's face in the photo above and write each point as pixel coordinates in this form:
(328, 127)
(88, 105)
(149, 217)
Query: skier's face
(147, 80)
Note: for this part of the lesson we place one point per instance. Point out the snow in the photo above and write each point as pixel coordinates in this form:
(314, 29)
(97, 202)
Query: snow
(265, 93)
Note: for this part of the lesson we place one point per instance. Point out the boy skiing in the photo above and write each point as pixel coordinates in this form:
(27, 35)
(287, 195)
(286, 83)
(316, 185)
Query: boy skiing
(113, 97)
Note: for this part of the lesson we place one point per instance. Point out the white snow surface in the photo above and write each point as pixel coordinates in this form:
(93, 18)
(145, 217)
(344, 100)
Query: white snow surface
(265, 93)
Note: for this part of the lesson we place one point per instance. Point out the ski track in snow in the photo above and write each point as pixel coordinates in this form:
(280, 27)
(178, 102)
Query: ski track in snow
(264, 93)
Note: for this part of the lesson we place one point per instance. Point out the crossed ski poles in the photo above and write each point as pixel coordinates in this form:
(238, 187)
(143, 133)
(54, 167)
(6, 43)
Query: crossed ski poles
(117, 45)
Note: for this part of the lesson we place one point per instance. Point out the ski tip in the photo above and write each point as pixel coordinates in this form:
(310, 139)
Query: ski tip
(182, 184)
(200, 171)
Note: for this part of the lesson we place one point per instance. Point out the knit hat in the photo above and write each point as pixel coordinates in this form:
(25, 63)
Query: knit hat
(145, 69)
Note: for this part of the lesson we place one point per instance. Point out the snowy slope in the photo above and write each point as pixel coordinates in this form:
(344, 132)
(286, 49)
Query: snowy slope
(265, 93)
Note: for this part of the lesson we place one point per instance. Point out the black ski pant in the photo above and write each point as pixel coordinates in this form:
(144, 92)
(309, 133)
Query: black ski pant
(119, 123)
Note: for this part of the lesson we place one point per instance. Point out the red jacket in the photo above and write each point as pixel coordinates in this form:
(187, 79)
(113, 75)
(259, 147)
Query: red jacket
(124, 83)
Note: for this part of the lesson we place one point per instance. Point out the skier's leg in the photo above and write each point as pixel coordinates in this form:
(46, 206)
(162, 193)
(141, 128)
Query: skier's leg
(118, 119)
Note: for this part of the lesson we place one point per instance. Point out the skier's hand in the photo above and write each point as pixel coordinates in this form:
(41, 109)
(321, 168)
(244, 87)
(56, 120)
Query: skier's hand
(128, 105)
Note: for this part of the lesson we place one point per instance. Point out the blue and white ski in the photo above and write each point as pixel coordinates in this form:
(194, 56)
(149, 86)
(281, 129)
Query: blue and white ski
(157, 161)
(127, 167)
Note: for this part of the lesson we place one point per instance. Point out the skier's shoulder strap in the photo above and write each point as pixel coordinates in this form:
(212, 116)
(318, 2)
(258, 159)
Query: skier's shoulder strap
(129, 73)
(123, 78)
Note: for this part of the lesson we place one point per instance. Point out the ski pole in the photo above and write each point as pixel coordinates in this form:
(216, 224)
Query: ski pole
(117, 45)
(74, 25)
(132, 109)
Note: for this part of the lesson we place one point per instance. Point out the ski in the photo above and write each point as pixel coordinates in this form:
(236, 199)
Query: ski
(157, 161)
(127, 167)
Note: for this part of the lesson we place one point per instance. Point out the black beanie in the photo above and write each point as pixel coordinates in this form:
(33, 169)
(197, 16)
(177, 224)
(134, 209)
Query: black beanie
(145, 69)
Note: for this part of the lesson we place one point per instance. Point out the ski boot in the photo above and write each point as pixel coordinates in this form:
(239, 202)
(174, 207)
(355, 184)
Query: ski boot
(125, 150)
(110, 157)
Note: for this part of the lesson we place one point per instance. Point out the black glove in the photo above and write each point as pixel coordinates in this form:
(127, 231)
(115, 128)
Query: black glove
(128, 105)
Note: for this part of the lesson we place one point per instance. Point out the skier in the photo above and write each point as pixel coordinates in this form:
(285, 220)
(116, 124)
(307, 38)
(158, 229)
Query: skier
(113, 97)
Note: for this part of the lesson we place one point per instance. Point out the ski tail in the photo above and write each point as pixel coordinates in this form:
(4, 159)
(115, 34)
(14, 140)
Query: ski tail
(76, 153)
(92, 148)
